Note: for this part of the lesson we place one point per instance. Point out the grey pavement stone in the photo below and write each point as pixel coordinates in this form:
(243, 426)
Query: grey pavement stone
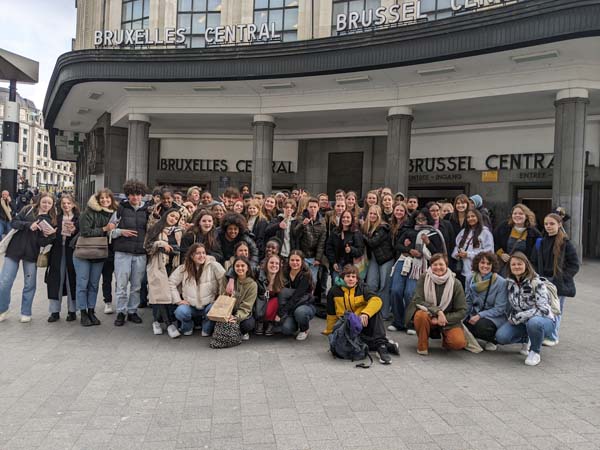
(66, 387)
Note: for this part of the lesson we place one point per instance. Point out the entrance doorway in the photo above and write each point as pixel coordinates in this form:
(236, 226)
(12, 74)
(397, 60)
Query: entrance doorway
(538, 199)
(344, 171)
(427, 194)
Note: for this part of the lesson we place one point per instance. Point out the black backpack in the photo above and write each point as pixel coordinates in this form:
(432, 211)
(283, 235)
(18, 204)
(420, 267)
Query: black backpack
(345, 341)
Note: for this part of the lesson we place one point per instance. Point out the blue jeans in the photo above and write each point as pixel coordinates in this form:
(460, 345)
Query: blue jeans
(4, 228)
(401, 292)
(87, 282)
(314, 270)
(129, 270)
(299, 320)
(535, 328)
(187, 313)
(378, 279)
(7, 278)
(558, 319)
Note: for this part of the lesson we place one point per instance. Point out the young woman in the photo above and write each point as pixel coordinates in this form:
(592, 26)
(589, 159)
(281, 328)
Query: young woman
(555, 258)
(517, 234)
(269, 208)
(163, 243)
(233, 230)
(25, 246)
(387, 207)
(376, 235)
(344, 244)
(473, 239)
(458, 216)
(296, 308)
(438, 307)
(413, 250)
(371, 199)
(218, 211)
(270, 284)
(93, 222)
(60, 275)
(352, 204)
(443, 225)
(167, 202)
(238, 207)
(447, 208)
(257, 225)
(529, 312)
(194, 287)
(486, 300)
(203, 231)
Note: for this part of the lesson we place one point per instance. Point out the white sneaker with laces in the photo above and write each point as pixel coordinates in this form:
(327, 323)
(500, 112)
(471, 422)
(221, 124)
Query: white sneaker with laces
(188, 333)
(549, 342)
(173, 332)
(246, 337)
(25, 319)
(524, 349)
(392, 328)
(108, 309)
(490, 347)
(205, 334)
(533, 359)
(302, 336)
(411, 332)
(3, 316)
(156, 328)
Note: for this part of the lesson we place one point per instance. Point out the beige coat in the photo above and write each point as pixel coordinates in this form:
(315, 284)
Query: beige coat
(210, 286)
(158, 278)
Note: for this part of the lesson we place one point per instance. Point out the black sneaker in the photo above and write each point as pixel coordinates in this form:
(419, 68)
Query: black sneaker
(133, 317)
(54, 317)
(71, 317)
(120, 320)
(260, 328)
(143, 305)
(384, 356)
(269, 329)
(393, 348)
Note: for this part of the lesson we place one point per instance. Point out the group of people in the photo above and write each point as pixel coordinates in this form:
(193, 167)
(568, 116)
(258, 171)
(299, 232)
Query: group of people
(439, 270)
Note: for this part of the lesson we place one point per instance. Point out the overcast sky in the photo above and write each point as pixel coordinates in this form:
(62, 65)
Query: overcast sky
(40, 30)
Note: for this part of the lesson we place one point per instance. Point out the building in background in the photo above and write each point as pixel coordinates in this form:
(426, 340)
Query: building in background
(36, 166)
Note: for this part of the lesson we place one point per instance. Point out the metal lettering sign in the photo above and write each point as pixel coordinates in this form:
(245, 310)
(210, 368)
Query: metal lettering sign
(141, 37)
(244, 33)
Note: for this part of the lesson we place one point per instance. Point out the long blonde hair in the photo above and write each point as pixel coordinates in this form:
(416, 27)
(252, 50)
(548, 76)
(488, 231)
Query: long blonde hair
(368, 227)
(529, 215)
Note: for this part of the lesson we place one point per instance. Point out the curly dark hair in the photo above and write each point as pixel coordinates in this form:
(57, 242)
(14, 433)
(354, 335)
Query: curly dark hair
(490, 256)
(133, 187)
(234, 219)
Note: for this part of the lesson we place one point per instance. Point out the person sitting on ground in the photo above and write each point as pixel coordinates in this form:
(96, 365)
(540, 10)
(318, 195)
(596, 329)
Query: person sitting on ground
(355, 296)
(438, 307)
(486, 300)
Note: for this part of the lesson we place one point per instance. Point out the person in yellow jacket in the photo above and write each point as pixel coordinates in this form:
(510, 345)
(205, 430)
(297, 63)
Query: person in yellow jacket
(356, 297)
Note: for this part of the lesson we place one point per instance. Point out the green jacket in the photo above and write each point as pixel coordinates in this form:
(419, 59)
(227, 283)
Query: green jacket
(93, 219)
(245, 296)
(455, 312)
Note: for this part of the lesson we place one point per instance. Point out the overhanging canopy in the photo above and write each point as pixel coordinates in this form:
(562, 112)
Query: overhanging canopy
(14, 67)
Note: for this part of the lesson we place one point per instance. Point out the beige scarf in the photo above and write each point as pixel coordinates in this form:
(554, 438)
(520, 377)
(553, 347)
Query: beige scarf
(431, 280)
(6, 209)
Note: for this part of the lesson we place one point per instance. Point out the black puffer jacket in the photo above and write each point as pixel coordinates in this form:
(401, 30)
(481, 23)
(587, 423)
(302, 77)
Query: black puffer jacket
(131, 219)
(335, 248)
(25, 244)
(228, 247)
(502, 234)
(543, 262)
(311, 237)
(379, 244)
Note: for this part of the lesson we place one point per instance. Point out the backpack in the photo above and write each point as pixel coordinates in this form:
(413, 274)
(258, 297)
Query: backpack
(345, 342)
(552, 296)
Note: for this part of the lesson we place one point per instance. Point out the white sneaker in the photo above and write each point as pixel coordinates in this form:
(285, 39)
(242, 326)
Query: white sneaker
(411, 332)
(392, 328)
(246, 337)
(108, 309)
(524, 349)
(205, 334)
(25, 319)
(490, 347)
(549, 342)
(188, 333)
(156, 328)
(3, 316)
(173, 332)
(533, 359)
(302, 336)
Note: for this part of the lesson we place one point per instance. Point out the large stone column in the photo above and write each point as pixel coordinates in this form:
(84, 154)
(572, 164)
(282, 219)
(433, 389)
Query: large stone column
(262, 153)
(137, 147)
(398, 148)
(10, 142)
(569, 159)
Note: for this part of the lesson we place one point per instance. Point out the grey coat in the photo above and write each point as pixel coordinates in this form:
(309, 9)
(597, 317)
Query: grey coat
(496, 305)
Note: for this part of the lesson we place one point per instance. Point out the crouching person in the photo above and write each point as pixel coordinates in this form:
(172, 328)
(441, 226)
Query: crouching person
(356, 297)
(195, 285)
(438, 307)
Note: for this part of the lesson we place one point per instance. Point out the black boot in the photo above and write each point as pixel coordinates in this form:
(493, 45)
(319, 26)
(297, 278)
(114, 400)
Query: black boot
(85, 319)
(93, 318)
(54, 317)
(71, 316)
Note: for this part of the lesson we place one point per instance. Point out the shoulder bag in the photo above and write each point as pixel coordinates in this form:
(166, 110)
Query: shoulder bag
(91, 247)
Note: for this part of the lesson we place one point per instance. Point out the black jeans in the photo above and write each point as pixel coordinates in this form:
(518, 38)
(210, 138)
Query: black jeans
(374, 333)
(107, 276)
(484, 329)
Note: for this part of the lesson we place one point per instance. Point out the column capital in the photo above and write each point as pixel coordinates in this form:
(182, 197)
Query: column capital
(400, 111)
(263, 118)
(139, 118)
(572, 93)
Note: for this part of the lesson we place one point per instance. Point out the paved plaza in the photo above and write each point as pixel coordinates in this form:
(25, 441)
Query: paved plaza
(68, 387)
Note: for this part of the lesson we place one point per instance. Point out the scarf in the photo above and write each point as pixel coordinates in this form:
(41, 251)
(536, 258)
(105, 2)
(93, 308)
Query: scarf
(419, 265)
(431, 280)
(480, 284)
(6, 209)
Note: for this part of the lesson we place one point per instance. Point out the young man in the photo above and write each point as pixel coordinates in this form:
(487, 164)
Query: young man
(340, 195)
(310, 231)
(412, 203)
(359, 299)
(324, 206)
(130, 255)
(230, 196)
(260, 196)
